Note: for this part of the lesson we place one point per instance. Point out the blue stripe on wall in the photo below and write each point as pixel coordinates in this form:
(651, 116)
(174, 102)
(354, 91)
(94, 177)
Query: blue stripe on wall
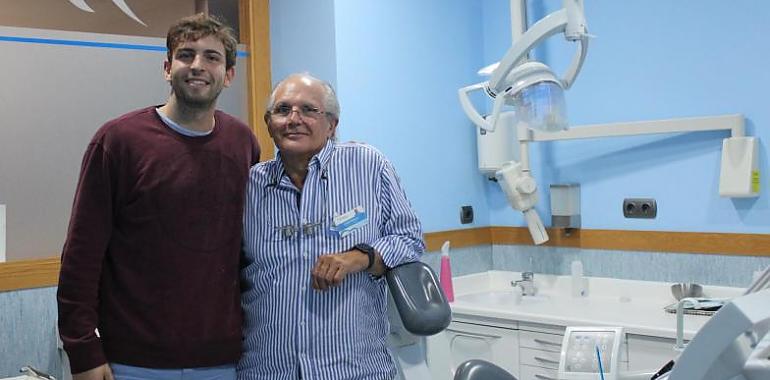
(108, 45)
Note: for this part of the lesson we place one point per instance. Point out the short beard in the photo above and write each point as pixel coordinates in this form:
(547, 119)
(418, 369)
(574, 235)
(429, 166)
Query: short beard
(194, 103)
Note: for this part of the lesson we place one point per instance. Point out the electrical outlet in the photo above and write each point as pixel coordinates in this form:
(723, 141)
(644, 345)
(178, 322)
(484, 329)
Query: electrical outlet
(466, 214)
(642, 208)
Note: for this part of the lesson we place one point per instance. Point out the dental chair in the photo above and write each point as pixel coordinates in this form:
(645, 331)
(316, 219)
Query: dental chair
(418, 308)
(733, 345)
(476, 369)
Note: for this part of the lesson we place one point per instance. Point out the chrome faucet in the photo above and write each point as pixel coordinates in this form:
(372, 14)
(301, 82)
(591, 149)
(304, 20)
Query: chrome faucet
(527, 284)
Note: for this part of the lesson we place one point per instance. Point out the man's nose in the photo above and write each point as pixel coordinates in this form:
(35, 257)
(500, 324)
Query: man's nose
(294, 115)
(197, 62)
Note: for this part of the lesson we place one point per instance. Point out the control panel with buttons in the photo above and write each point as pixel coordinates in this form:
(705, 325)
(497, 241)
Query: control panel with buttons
(591, 353)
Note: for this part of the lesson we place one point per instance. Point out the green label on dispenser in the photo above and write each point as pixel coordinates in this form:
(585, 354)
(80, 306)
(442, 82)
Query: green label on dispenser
(755, 181)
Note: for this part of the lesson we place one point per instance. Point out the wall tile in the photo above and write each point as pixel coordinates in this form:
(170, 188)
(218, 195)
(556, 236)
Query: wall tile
(27, 331)
(464, 261)
(721, 270)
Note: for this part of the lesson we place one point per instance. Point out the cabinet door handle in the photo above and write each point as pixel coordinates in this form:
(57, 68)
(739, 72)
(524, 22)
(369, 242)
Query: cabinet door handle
(540, 341)
(475, 335)
(544, 360)
(544, 377)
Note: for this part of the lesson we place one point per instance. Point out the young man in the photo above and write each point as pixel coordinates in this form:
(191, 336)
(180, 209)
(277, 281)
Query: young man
(152, 254)
(323, 222)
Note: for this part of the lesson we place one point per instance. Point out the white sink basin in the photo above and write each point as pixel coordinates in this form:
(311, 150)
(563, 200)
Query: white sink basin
(636, 305)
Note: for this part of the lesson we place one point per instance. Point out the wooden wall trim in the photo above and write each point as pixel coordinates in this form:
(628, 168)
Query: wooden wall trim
(29, 274)
(458, 238)
(648, 241)
(254, 21)
(45, 272)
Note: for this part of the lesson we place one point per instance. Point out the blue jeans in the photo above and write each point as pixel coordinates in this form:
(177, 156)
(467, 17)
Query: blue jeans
(127, 372)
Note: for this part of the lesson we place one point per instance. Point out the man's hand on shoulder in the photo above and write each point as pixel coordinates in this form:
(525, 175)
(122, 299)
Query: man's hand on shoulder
(102, 372)
(331, 270)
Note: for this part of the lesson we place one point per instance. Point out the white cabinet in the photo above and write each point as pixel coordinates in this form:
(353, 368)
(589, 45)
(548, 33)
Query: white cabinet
(538, 373)
(529, 351)
(536, 358)
(648, 353)
(494, 344)
(539, 351)
(541, 341)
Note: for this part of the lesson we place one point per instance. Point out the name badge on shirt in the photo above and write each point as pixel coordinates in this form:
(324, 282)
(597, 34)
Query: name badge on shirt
(346, 223)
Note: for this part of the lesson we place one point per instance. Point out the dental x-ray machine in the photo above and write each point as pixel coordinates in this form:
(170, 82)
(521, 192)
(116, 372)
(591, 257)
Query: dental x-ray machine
(535, 92)
(537, 97)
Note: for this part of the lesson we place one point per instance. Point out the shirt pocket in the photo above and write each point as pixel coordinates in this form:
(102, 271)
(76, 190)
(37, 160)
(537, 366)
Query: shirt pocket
(273, 232)
(268, 239)
(274, 223)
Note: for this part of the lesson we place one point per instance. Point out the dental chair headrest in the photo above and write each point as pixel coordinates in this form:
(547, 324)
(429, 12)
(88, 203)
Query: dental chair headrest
(421, 304)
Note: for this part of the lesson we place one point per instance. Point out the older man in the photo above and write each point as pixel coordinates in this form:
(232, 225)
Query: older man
(323, 222)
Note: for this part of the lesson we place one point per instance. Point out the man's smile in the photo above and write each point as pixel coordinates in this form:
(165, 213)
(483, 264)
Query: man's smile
(197, 82)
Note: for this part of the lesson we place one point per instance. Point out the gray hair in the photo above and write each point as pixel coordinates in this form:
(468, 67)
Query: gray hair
(330, 102)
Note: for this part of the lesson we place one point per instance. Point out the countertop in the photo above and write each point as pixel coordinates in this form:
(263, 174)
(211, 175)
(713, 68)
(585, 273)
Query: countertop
(635, 305)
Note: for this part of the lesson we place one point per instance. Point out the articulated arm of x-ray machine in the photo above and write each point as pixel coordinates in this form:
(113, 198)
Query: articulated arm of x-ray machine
(505, 81)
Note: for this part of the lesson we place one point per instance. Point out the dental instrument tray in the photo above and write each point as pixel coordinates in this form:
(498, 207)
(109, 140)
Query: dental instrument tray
(698, 306)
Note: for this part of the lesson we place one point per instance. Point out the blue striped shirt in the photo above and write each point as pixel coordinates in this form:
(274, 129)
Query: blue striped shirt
(290, 329)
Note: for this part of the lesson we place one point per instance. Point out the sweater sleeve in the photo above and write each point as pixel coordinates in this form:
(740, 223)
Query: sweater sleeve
(84, 250)
(401, 240)
(255, 150)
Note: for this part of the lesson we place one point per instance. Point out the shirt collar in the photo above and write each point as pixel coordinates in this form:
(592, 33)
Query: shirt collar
(320, 160)
(323, 157)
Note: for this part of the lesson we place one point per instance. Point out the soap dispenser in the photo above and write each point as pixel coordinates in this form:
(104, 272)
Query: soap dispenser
(445, 278)
(578, 282)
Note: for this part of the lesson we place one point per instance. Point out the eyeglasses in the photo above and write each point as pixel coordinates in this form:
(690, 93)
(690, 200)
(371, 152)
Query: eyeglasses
(305, 111)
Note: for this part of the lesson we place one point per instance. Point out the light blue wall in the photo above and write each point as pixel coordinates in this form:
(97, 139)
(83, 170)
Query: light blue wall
(302, 38)
(655, 60)
(398, 64)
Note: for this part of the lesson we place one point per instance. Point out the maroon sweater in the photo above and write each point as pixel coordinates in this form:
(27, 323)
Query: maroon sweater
(153, 248)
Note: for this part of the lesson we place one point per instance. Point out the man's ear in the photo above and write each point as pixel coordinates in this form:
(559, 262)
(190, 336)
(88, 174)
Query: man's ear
(267, 126)
(333, 126)
(229, 76)
(167, 71)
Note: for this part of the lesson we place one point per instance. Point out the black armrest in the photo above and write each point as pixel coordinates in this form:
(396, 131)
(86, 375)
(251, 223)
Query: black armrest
(475, 369)
(421, 304)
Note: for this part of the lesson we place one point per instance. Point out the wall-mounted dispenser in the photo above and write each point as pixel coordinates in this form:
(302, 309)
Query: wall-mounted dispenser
(739, 175)
(565, 205)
